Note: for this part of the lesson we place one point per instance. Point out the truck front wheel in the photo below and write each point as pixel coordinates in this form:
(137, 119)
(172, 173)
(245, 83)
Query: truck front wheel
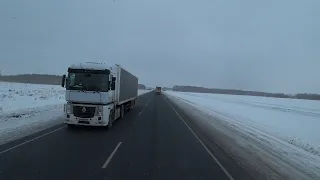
(111, 118)
(122, 112)
(110, 124)
(71, 126)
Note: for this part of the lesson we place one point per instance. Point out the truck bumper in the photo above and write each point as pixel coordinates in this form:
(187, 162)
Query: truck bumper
(94, 121)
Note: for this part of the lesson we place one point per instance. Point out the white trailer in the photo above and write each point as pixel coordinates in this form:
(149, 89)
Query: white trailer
(98, 94)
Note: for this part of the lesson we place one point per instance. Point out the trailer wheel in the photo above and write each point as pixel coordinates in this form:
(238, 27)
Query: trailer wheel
(131, 105)
(122, 112)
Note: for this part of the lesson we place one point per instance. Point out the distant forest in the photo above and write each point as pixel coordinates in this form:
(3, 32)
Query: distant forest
(40, 79)
(56, 80)
(247, 93)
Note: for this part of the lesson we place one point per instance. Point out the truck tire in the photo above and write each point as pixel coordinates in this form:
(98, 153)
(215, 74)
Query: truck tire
(71, 126)
(122, 112)
(111, 118)
(109, 126)
(131, 105)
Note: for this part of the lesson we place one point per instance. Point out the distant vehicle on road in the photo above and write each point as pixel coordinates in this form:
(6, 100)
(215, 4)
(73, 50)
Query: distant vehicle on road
(98, 94)
(158, 90)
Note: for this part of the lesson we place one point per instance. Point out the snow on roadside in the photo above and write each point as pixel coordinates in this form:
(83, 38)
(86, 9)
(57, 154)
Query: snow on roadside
(297, 106)
(281, 143)
(15, 97)
(29, 108)
(303, 121)
(29, 122)
(141, 91)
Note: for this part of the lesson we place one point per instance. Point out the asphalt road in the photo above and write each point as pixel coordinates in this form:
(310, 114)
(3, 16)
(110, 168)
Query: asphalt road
(153, 141)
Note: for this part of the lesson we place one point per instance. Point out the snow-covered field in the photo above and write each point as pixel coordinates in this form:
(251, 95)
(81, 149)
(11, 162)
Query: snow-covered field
(280, 138)
(28, 108)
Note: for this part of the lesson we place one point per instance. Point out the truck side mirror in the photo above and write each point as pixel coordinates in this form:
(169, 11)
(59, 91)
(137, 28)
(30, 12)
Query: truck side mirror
(113, 85)
(63, 80)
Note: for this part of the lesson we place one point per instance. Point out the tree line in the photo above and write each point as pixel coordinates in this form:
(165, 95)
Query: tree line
(39, 79)
(247, 93)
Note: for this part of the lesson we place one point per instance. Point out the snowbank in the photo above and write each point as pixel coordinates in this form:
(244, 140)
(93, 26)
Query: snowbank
(278, 137)
(140, 91)
(15, 97)
(28, 108)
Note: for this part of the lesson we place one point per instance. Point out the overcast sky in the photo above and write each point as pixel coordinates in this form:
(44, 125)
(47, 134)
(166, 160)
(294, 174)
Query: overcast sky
(260, 45)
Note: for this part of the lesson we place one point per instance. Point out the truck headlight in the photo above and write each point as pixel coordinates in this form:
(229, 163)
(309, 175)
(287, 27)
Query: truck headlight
(68, 109)
(100, 110)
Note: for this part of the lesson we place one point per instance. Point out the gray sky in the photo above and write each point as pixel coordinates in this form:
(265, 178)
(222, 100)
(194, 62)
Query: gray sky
(269, 45)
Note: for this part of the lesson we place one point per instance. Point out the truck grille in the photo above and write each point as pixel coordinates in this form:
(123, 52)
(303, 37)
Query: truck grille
(79, 112)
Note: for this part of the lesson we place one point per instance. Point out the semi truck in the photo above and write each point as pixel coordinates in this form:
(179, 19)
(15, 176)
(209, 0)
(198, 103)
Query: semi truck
(158, 90)
(98, 94)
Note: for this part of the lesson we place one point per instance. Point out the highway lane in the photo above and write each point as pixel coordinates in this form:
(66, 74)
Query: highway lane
(151, 142)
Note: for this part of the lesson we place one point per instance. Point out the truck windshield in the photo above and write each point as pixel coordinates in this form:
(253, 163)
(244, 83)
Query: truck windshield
(88, 82)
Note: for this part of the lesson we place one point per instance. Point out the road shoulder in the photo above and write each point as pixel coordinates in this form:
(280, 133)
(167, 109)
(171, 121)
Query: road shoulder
(232, 166)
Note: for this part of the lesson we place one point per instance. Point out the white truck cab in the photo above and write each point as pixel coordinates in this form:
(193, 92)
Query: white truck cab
(97, 94)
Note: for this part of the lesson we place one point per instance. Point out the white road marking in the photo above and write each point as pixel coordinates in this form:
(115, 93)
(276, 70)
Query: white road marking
(145, 106)
(26, 142)
(205, 147)
(111, 155)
